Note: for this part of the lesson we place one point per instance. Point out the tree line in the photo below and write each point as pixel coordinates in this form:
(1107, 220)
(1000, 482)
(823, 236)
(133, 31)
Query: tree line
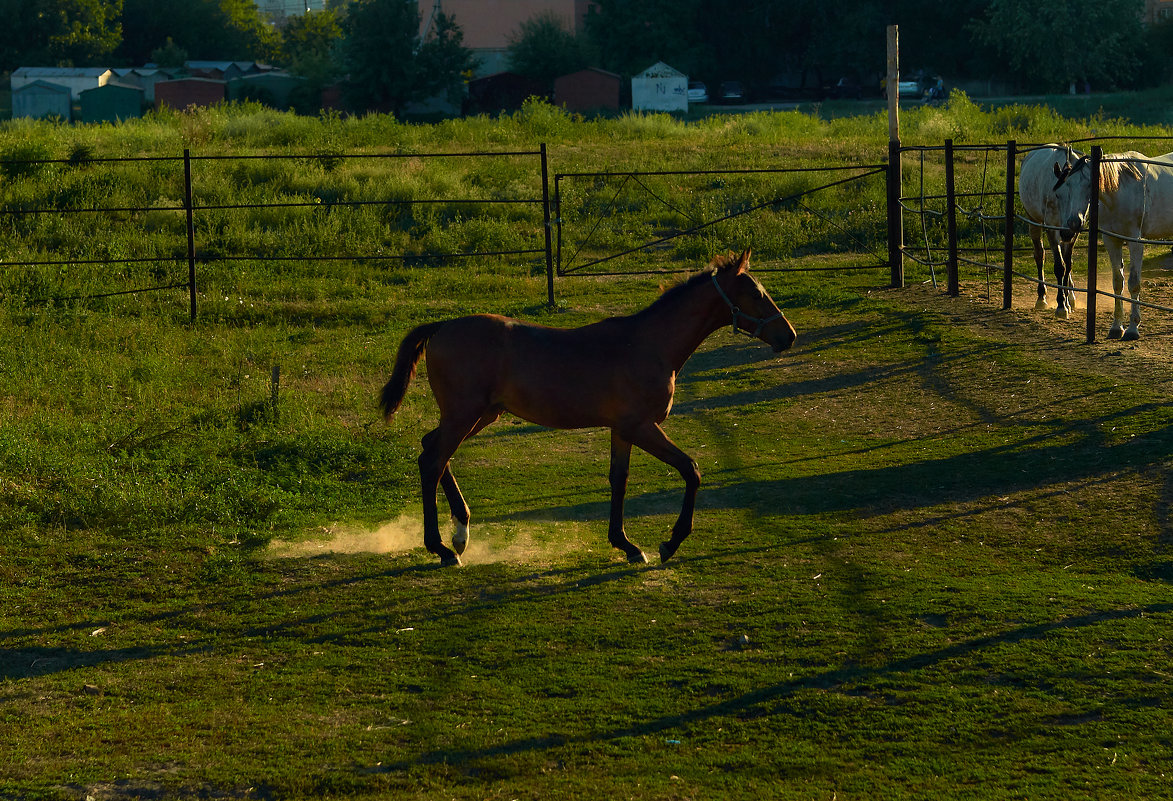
(374, 46)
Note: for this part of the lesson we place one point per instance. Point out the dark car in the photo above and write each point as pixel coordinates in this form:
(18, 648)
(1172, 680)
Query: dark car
(732, 92)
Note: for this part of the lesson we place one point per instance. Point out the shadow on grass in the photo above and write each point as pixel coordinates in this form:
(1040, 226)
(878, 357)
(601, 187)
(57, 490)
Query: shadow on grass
(759, 701)
(1065, 452)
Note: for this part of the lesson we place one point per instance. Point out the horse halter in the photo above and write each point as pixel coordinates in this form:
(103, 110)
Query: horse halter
(739, 315)
(1067, 171)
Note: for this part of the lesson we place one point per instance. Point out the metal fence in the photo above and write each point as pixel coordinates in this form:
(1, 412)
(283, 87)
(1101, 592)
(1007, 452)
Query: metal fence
(585, 256)
(193, 256)
(986, 201)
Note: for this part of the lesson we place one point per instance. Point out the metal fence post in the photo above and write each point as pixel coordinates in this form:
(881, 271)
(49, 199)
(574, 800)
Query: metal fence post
(954, 287)
(1093, 242)
(191, 270)
(1008, 251)
(895, 216)
(546, 224)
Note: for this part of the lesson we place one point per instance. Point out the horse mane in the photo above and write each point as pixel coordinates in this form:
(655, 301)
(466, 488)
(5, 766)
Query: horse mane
(1111, 170)
(718, 265)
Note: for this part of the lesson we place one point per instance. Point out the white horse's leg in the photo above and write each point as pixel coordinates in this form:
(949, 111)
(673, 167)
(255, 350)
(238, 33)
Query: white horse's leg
(1061, 255)
(1116, 257)
(1036, 238)
(1136, 259)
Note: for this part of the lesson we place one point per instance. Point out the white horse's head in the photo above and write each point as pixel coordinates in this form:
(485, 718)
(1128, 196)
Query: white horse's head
(1073, 191)
(1073, 186)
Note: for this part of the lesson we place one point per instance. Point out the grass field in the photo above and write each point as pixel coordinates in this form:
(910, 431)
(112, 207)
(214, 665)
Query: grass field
(932, 555)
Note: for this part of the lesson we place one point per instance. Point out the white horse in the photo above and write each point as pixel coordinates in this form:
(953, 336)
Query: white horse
(1041, 201)
(1136, 202)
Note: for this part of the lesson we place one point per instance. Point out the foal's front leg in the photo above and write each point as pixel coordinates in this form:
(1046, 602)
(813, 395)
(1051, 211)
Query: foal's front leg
(620, 467)
(651, 438)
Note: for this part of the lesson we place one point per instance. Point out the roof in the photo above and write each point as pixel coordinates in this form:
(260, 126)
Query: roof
(60, 72)
(661, 70)
(44, 86)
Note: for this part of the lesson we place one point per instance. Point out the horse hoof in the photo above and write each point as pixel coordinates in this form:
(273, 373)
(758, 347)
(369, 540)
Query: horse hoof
(460, 537)
(1116, 332)
(1062, 313)
(450, 561)
(1041, 305)
(637, 558)
(1131, 335)
(667, 549)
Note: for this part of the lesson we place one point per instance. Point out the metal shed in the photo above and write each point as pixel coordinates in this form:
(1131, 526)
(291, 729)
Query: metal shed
(660, 88)
(42, 99)
(185, 92)
(591, 89)
(110, 103)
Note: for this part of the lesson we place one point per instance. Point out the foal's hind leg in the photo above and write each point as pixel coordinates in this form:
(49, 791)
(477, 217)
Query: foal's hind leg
(620, 466)
(438, 447)
(461, 514)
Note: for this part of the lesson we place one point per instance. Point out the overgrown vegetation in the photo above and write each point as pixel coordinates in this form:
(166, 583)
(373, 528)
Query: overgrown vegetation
(932, 547)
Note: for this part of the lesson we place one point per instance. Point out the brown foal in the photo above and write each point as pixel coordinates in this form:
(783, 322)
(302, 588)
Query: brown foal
(618, 373)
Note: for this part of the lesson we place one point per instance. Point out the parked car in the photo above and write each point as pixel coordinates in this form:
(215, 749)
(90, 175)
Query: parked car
(697, 92)
(732, 92)
(905, 89)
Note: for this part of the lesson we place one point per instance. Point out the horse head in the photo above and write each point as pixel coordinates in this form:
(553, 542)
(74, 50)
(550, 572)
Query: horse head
(1073, 190)
(754, 312)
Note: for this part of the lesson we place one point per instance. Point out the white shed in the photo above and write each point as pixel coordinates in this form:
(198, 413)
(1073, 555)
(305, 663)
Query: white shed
(76, 79)
(660, 88)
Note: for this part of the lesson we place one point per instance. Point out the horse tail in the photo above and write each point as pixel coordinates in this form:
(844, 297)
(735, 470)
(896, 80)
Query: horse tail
(411, 350)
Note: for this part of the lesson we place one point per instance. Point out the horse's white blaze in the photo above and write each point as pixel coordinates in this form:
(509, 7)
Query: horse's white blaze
(460, 536)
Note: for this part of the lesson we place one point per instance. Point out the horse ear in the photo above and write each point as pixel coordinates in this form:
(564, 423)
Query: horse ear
(743, 263)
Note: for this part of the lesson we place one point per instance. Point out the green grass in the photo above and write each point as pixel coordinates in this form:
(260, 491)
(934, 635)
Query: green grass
(931, 559)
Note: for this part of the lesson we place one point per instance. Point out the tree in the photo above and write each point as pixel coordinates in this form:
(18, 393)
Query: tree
(631, 35)
(309, 48)
(543, 49)
(170, 55)
(58, 33)
(207, 29)
(388, 64)
(1050, 44)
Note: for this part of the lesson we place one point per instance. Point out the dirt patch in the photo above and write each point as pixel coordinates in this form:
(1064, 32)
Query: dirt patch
(1148, 360)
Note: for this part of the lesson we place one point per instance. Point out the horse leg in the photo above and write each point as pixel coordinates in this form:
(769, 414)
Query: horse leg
(1136, 260)
(651, 438)
(1062, 277)
(1036, 237)
(461, 514)
(1116, 257)
(1068, 247)
(438, 447)
(617, 476)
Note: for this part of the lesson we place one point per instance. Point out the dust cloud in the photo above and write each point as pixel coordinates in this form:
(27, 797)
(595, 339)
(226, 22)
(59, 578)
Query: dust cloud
(486, 543)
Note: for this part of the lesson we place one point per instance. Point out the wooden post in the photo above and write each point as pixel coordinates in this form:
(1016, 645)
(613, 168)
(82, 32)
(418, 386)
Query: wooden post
(1093, 242)
(893, 83)
(895, 214)
(1008, 247)
(954, 288)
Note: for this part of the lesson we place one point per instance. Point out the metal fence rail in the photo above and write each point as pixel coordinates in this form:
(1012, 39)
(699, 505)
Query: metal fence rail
(191, 209)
